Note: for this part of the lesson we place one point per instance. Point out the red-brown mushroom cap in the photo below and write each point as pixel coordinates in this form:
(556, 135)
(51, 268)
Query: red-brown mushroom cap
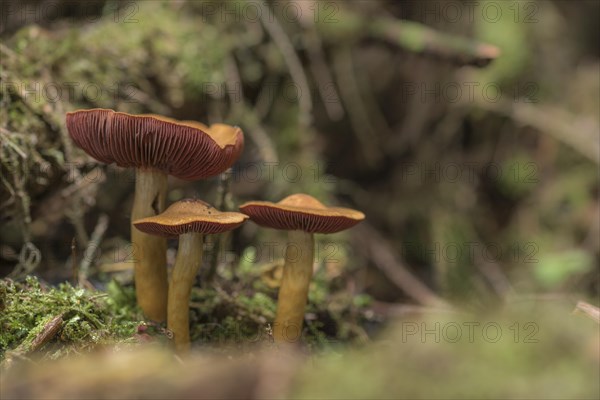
(185, 149)
(301, 212)
(187, 216)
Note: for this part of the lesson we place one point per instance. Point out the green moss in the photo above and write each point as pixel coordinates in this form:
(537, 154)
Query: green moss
(89, 317)
(135, 65)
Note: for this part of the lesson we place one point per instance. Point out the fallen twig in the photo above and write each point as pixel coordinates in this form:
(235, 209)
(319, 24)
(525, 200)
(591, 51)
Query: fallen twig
(419, 38)
(382, 255)
(579, 133)
(412, 36)
(294, 64)
(91, 249)
(256, 132)
(589, 310)
(47, 334)
(357, 111)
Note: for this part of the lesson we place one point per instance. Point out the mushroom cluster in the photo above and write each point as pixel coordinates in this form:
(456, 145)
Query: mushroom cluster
(158, 146)
(155, 146)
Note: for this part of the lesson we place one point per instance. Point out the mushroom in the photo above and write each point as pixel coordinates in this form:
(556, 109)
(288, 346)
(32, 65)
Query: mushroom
(302, 215)
(155, 146)
(189, 220)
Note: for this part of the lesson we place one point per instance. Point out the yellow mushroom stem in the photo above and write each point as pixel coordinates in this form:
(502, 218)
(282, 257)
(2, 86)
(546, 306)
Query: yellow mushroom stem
(149, 251)
(293, 293)
(189, 259)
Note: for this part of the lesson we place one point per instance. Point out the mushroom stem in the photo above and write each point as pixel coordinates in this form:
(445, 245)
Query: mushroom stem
(149, 251)
(189, 258)
(293, 293)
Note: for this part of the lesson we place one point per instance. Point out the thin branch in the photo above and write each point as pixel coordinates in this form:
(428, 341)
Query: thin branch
(418, 38)
(579, 133)
(323, 76)
(589, 310)
(47, 334)
(257, 133)
(294, 64)
(359, 118)
(411, 36)
(383, 256)
(91, 249)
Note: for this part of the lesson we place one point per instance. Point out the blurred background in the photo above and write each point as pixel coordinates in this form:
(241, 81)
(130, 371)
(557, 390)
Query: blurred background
(467, 132)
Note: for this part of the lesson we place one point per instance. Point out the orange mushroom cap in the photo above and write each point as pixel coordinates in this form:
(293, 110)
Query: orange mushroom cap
(301, 212)
(187, 216)
(185, 149)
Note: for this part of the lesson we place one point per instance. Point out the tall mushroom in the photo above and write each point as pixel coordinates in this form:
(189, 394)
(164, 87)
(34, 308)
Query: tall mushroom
(189, 220)
(302, 215)
(156, 147)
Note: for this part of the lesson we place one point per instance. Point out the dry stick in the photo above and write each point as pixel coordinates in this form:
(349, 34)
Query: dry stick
(75, 216)
(91, 248)
(418, 38)
(7, 139)
(75, 194)
(293, 62)
(75, 213)
(370, 100)
(265, 98)
(589, 310)
(64, 134)
(382, 255)
(581, 134)
(496, 277)
(320, 70)
(359, 118)
(48, 332)
(241, 111)
(258, 134)
(234, 84)
(4, 49)
(86, 182)
(29, 258)
(412, 36)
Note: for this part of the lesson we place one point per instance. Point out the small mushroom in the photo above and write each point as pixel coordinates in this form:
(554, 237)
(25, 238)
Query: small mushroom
(302, 215)
(189, 220)
(156, 147)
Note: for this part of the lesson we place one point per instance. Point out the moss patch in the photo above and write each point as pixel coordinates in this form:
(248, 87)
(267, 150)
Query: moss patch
(88, 318)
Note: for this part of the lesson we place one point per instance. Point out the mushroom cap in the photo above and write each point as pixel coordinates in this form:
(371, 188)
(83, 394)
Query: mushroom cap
(185, 149)
(190, 215)
(301, 212)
